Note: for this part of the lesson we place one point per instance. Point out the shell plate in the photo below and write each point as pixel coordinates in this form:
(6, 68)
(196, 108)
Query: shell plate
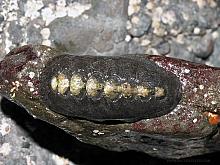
(110, 88)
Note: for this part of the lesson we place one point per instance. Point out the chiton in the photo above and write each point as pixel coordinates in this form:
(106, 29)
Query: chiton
(101, 88)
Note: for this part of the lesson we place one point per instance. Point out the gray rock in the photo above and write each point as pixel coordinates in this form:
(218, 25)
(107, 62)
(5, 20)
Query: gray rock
(98, 33)
(1, 18)
(15, 32)
(71, 40)
(214, 59)
(179, 51)
(110, 8)
(20, 147)
(35, 33)
(203, 47)
(140, 24)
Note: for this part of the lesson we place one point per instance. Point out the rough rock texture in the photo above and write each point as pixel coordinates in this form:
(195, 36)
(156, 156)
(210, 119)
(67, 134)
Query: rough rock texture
(183, 29)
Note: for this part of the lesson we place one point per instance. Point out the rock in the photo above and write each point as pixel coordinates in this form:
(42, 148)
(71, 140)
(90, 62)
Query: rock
(214, 59)
(101, 28)
(203, 47)
(99, 35)
(185, 125)
(140, 24)
(140, 21)
(15, 32)
(72, 41)
(35, 33)
(110, 8)
(1, 18)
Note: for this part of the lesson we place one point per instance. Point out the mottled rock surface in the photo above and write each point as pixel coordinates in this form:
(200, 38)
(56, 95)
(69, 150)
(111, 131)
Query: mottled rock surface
(183, 29)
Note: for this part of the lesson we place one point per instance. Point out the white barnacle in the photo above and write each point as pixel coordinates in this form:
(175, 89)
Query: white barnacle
(13, 95)
(30, 84)
(31, 89)
(15, 87)
(5, 149)
(101, 133)
(5, 128)
(95, 131)
(195, 120)
(201, 87)
(31, 75)
(213, 102)
(195, 90)
(76, 84)
(17, 84)
(63, 83)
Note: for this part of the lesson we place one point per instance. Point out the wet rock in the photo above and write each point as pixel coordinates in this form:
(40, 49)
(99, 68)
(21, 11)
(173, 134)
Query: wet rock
(214, 59)
(35, 33)
(140, 24)
(162, 48)
(135, 47)
(134, 7)
(100, 34)
(71, 40)
(110, 8)
(107, 38)
(20, 147)
(203, 47)
(172, 19)
(1, 18)
(15, 32)
(179, 51)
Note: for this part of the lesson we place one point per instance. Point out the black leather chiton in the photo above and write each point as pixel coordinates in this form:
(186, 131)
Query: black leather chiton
(101, 88)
